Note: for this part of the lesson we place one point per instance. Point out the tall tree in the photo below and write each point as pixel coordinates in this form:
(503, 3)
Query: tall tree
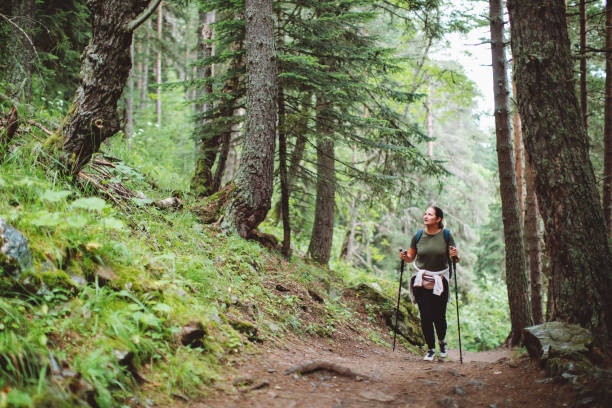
(557, 146)
(532, 240)
(583, 63)
(105, 69)
(254, 182)
(607, 176)
(516, 279)
(158, 70)
(206, 144)
(20, 66)
(518, 155)
(323, 226)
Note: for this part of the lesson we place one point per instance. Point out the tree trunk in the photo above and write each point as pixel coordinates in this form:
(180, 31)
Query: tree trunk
(350, 241)
(160, 38)
(139, 69)
(254, 181)
(145, 72)
(556, 144)
(323, 226)
(518, 156)
(429, 120)
(583, 65)
(129, 120)
(300, 141)
(607, 177)
(532, 238)
(516, 279)
(282, 168)
(105, 68)
(20, 48)
(207, 145)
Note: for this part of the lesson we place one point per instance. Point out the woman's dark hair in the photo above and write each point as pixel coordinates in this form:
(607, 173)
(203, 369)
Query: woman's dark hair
(439, 214)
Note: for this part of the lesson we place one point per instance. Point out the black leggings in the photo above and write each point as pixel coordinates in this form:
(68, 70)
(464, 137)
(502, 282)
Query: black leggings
(432, 309)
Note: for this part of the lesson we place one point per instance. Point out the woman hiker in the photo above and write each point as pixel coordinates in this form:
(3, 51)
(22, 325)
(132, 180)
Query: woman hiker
(431, 248)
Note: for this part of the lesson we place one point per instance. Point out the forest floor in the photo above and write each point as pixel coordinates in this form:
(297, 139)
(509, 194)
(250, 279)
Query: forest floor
(385, 378)
(388, 379)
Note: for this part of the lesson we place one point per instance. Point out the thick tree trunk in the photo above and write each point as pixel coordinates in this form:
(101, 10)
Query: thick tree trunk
(607, 177)
(105, 68)
(532, 239)
(323, 226)
(583, 65)
(254, 181)
(557, 146)
(20, 67)
(160, 38)
(516, 279)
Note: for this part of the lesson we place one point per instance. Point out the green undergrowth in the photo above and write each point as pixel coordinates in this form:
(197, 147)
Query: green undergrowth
(99, 319)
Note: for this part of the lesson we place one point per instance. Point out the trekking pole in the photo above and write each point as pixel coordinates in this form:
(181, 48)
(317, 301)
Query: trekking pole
(457, 303)
(398, 301)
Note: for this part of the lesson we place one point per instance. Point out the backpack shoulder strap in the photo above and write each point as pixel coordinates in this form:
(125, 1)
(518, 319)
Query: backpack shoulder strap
(418, 236)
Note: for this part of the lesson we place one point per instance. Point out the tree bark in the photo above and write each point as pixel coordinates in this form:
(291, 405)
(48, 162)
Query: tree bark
(129, 120)
(20, 67)
(583, 65)
(105, 68)
(323, 226)
(254, 181)
(518, 156)
(532, 238)
(207, 145)
(607, 177)
(282, 168)
(516, 279)
(160, 38)
(556, 144)
(139, 69)
(145, 72)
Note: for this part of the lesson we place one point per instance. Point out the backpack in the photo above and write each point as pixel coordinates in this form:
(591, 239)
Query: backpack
(446, 233)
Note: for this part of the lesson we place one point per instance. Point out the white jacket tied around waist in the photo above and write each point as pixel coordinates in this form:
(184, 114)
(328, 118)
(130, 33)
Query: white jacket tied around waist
(437, 276)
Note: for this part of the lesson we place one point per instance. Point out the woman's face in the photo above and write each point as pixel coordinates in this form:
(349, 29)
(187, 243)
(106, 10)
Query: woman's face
(430, 217)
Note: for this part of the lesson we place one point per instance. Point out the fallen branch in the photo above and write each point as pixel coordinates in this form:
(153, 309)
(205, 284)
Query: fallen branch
(316, 365)
(41, 127)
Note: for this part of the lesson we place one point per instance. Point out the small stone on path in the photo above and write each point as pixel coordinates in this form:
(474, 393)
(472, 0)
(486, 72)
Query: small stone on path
(376, 395)
(459, 390)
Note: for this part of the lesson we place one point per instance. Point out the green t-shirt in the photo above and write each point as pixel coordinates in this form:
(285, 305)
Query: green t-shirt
(431, 251)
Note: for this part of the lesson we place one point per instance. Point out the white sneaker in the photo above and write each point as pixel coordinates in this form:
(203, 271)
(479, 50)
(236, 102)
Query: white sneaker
(431, 353)
(443, 349)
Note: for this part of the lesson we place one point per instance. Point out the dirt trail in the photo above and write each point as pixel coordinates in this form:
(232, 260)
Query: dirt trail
(390, 379)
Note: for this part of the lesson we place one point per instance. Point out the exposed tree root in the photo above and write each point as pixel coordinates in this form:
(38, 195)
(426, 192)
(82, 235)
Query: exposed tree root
(316, 365)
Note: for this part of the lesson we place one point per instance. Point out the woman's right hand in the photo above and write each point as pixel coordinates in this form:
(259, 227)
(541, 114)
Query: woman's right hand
(408, 255)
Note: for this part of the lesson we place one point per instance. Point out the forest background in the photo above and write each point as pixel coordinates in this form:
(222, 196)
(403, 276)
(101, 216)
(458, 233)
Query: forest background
(406, 128)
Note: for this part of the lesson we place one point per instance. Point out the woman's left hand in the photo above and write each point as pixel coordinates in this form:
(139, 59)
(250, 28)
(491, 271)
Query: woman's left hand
(453, 252)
